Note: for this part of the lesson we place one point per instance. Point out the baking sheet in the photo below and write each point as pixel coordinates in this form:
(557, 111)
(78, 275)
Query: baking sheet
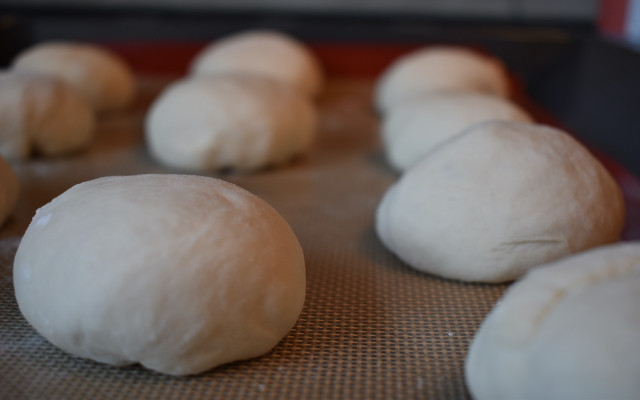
(371, 327)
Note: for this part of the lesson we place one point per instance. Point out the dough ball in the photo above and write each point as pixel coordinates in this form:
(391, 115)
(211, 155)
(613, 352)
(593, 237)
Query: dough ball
(414, 128)
(265, 53)
(440, 68)
(43, 114)
(101, 76)
(498, 199)
(177, 273)
(244, 122)
(566, 331)
(9, 190)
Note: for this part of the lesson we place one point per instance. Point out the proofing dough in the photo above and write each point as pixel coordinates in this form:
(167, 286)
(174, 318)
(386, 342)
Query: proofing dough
(265, 53)
(498, 199)
(42, 114)
(566, 331)
(414, 128)
(9, 190)
(240, 121)
(101, 76)
(440, 68)
(178, 273)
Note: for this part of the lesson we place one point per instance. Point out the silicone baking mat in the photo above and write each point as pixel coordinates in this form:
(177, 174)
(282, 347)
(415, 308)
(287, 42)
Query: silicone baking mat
(371, 327)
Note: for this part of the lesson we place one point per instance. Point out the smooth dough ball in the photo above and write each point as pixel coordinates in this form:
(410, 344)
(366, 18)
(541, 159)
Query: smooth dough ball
(566, 331)
(177, 273)
(100, 75)
(236, 121)
(498, 199)
(9, 190)
(414, 128)
(265, 53)
(440, 68)
(43, 114)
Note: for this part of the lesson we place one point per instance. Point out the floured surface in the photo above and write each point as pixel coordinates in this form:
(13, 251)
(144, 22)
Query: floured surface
(371, 327)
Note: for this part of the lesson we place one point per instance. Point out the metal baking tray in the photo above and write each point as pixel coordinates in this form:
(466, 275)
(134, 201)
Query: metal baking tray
(371, 327)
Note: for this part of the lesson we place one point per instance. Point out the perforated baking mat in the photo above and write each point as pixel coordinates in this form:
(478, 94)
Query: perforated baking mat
(371, 327)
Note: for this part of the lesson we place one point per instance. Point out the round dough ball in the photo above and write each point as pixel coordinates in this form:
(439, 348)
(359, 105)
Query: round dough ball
(9, 190)
(498, 199)
(265, 53)
(566, 331)
(414, 128)
(244, 122)
(177, 273)
(43, 114)
(440, 68)
(100, 75)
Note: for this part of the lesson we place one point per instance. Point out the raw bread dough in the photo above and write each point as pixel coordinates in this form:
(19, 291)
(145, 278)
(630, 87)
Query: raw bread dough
(9, 190)
(240, 121)
(265, 53)
(178, 273)
(43, 114)
(440, 68)
(566, 331)
(498, 199)
(100, 75)
(414, 128)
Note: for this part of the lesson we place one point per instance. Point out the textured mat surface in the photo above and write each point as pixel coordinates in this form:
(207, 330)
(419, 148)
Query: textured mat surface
(371, 327)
